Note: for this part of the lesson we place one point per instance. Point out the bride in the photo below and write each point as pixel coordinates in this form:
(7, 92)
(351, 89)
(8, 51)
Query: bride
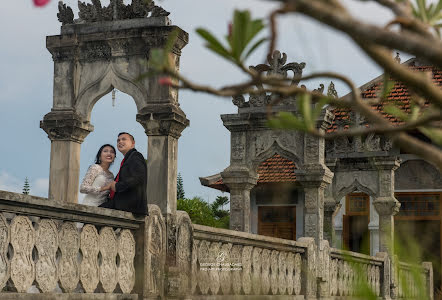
(96, 182)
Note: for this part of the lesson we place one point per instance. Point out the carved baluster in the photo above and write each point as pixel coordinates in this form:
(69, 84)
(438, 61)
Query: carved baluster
(203, 274)
(183, 251)
(46, 267)
(89, 270)
(290, 267)
(333, 277)
(236, 255)
(282, 266)
(225, 278)
(195, 263)
(108, 249)
(378, 281)
(22, 265)
(265, 269)
(274, 272)
(126, 269)
(69, 243)
(297, 279)
(4, 243)
(247, 269)
(340, 278)
(256, 271)
(215, 258)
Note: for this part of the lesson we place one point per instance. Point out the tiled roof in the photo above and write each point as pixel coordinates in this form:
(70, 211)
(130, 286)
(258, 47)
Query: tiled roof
(399, 96)
(273, 169)
(276, 169)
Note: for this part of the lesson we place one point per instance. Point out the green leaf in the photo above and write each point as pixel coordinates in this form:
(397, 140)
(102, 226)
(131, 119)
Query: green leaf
(213, 43)
(396, 111)
(286, 120)
(253, 48)
(387, 86)
(435, 134)
(415, 110)
(239, 28)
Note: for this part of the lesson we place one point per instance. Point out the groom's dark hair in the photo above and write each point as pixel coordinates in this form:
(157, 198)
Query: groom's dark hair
(131, 136)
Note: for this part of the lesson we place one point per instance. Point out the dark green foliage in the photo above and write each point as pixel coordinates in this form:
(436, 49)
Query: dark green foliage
(180, 187)
(203, 213)
(26, 187)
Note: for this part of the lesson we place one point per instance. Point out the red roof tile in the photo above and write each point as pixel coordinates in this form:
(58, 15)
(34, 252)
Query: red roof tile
(273, 169)
(399, 96)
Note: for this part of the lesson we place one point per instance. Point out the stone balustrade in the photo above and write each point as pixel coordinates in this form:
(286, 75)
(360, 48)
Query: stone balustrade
(350, 271)
(413, 281)
(47, 247)
(227, 262)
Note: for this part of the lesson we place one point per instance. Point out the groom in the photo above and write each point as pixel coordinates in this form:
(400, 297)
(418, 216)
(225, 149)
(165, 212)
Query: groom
(128, 190)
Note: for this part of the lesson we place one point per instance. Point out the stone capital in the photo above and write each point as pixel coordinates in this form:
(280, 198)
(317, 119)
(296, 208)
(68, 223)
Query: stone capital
(387, 163)
(317, 175)
(239, 179)
(65, 126)
(386, 206)
(325, 119)
(163, 123)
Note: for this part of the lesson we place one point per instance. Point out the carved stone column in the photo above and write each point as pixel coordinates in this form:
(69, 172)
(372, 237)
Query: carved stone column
(315, 176)
(385, 203)
(66, 130)
(240, 182)
(163, 130)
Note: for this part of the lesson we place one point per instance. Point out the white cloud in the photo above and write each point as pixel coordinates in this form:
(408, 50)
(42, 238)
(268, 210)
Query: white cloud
(10, 183)
(40, 187)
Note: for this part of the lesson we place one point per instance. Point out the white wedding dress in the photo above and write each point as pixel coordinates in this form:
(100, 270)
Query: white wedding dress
(94, 179)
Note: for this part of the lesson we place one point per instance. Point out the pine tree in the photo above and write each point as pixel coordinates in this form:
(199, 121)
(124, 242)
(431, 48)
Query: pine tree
(26, 187)
(179, 187)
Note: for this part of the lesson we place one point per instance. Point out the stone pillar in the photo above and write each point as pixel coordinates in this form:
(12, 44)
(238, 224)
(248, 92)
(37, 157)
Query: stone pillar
(66, 130)
(240, 182)
(163, 131)
(315, 176)
(385, 203)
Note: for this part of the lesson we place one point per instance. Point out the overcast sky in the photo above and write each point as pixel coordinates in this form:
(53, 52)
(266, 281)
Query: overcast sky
(26, 86)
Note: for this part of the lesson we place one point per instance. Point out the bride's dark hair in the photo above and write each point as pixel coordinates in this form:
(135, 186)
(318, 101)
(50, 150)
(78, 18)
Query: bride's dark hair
(97, 157)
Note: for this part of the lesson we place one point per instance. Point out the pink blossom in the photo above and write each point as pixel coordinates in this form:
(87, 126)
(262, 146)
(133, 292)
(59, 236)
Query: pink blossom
(41, 2)
(165, 81)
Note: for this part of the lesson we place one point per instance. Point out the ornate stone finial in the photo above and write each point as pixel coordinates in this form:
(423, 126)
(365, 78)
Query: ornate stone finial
(116, 10)
(331, 91)
(276, 66)
(320, 89)
(65, 14)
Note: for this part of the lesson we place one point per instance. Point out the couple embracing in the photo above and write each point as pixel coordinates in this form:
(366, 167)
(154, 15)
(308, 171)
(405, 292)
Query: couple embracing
(128, 190)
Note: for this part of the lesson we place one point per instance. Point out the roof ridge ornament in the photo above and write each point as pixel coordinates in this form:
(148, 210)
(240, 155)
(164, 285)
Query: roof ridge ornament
(116, 10)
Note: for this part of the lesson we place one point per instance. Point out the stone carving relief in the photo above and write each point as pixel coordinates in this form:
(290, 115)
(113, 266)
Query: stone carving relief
(194, 281)
(46, 267)
(290, 272)
(238, 146)
(183, 250)
(108, 248)
(89, 275)
(4, 243)
(69, 244)
(116, 10)
(126, 269)
(22, 241)
(156, 249)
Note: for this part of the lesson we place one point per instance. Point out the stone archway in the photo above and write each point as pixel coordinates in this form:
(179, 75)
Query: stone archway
(90, 59)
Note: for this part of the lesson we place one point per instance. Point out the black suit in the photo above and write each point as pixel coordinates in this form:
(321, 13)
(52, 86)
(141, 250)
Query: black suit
(130, 190)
